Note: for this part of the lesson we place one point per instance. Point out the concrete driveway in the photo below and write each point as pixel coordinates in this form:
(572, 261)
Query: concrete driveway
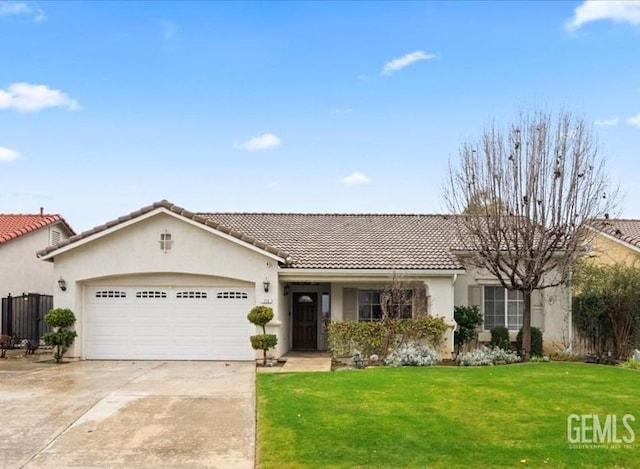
(95, 414)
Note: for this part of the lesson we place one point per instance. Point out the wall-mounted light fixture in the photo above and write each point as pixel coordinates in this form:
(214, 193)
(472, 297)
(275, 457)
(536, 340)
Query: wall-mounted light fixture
(62, 283)
(286, 289)
(266, 284)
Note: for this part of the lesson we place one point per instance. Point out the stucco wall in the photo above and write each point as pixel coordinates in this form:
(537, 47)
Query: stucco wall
(133, 254)
(607, 251)
(550, 307)
(20, 270)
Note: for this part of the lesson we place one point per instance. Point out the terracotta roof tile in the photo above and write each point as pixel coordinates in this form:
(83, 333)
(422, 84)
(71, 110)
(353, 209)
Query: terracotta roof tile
(626, 230)
(13, 226)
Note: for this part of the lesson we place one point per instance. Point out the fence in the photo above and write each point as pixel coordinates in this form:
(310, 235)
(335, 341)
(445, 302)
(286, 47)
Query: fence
(23, 316)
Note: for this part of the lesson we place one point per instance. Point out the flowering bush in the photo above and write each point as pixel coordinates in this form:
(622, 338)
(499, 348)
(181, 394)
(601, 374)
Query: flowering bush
(485, 356)
(412, 354)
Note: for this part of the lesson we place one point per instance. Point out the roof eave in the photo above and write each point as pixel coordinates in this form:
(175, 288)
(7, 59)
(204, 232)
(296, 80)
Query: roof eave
(166, 207)
(302, 274)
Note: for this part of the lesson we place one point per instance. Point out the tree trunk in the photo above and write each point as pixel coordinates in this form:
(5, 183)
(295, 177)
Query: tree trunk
(526, 327)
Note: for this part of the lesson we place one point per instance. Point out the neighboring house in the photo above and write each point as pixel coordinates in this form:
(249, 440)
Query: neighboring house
(21, 236)
(166, 283)
(615, 241)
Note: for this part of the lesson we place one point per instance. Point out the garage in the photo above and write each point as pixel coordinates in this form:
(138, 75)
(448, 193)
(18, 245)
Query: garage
(167, 323)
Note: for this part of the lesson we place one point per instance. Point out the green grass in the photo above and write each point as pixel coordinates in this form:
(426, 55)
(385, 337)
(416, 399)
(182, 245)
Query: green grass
(443, 417)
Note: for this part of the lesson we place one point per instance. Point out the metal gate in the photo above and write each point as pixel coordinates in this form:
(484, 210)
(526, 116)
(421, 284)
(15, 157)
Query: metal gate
(23, 316)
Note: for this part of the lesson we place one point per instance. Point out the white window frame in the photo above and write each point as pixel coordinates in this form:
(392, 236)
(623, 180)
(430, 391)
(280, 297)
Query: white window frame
(371, 305)
(518, 302)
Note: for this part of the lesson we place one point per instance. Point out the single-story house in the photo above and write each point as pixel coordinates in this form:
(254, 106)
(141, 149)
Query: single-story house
(21, 236)
(166, 283)
(615, 241)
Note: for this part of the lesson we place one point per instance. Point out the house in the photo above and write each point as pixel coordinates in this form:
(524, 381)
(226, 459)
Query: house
(615, 241)
(166, 283)
(21, 236)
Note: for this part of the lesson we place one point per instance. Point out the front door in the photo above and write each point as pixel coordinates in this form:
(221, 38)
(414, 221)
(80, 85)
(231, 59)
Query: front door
(305, 321)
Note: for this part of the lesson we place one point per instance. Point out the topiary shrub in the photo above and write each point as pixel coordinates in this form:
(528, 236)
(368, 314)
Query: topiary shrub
(260, 316)
(61, 338)
(500, 338)
(536, 342)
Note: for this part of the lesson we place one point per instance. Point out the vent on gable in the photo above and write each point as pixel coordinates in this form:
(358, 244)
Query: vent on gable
(191, 294)
(151, 294)
(55, 237)
(232, 295)
(165, 241)
(111, 294)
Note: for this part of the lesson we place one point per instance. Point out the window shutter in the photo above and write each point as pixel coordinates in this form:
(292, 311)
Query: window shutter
(349, 304)
(475, 296)
(420, 300)
(537, 309)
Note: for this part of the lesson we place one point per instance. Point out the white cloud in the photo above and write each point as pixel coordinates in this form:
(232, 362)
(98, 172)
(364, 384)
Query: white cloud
(618, 11)
(355, 178)
(607, 122)
(401, 62)
(21, 8)
(634, 120)
(26, 97)
(263, 142)
(7, 155)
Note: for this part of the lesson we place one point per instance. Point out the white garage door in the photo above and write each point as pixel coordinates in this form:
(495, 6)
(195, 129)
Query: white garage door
(167, 323)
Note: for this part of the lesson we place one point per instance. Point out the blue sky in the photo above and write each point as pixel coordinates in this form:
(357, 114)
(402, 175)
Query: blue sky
(295, 106)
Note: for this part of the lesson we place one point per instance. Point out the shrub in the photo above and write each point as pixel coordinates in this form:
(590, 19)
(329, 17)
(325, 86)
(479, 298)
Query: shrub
(60, 317)
(260, 316)
(412, 354)
(486, 356)
(375, 337)
(263, 341)
(500, 338)
(632, 364)
(536, 342)
(61, 337)
(605, 309)
(468, 318)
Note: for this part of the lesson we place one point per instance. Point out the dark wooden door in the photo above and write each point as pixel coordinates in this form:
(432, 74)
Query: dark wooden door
(305, 321)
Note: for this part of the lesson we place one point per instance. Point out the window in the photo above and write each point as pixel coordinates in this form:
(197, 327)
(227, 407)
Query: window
(370, 308)
(165, 241)
(151, 294)
(232, 295)
(503, 307)
(191, 294)
(111, 294)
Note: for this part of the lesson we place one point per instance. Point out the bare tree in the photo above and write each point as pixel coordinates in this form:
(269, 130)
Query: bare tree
(531, 188)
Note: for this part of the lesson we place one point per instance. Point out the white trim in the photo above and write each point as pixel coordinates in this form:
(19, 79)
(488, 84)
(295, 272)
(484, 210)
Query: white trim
(328, 275)
(92, 237)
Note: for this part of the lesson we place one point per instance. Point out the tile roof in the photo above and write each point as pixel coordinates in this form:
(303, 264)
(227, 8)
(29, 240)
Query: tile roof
(13, 226)
(327, 241)
(172, 208)
(626, 230)
(353, 241)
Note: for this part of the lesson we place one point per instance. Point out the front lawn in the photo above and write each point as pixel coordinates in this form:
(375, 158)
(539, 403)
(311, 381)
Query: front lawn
(446, 417)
